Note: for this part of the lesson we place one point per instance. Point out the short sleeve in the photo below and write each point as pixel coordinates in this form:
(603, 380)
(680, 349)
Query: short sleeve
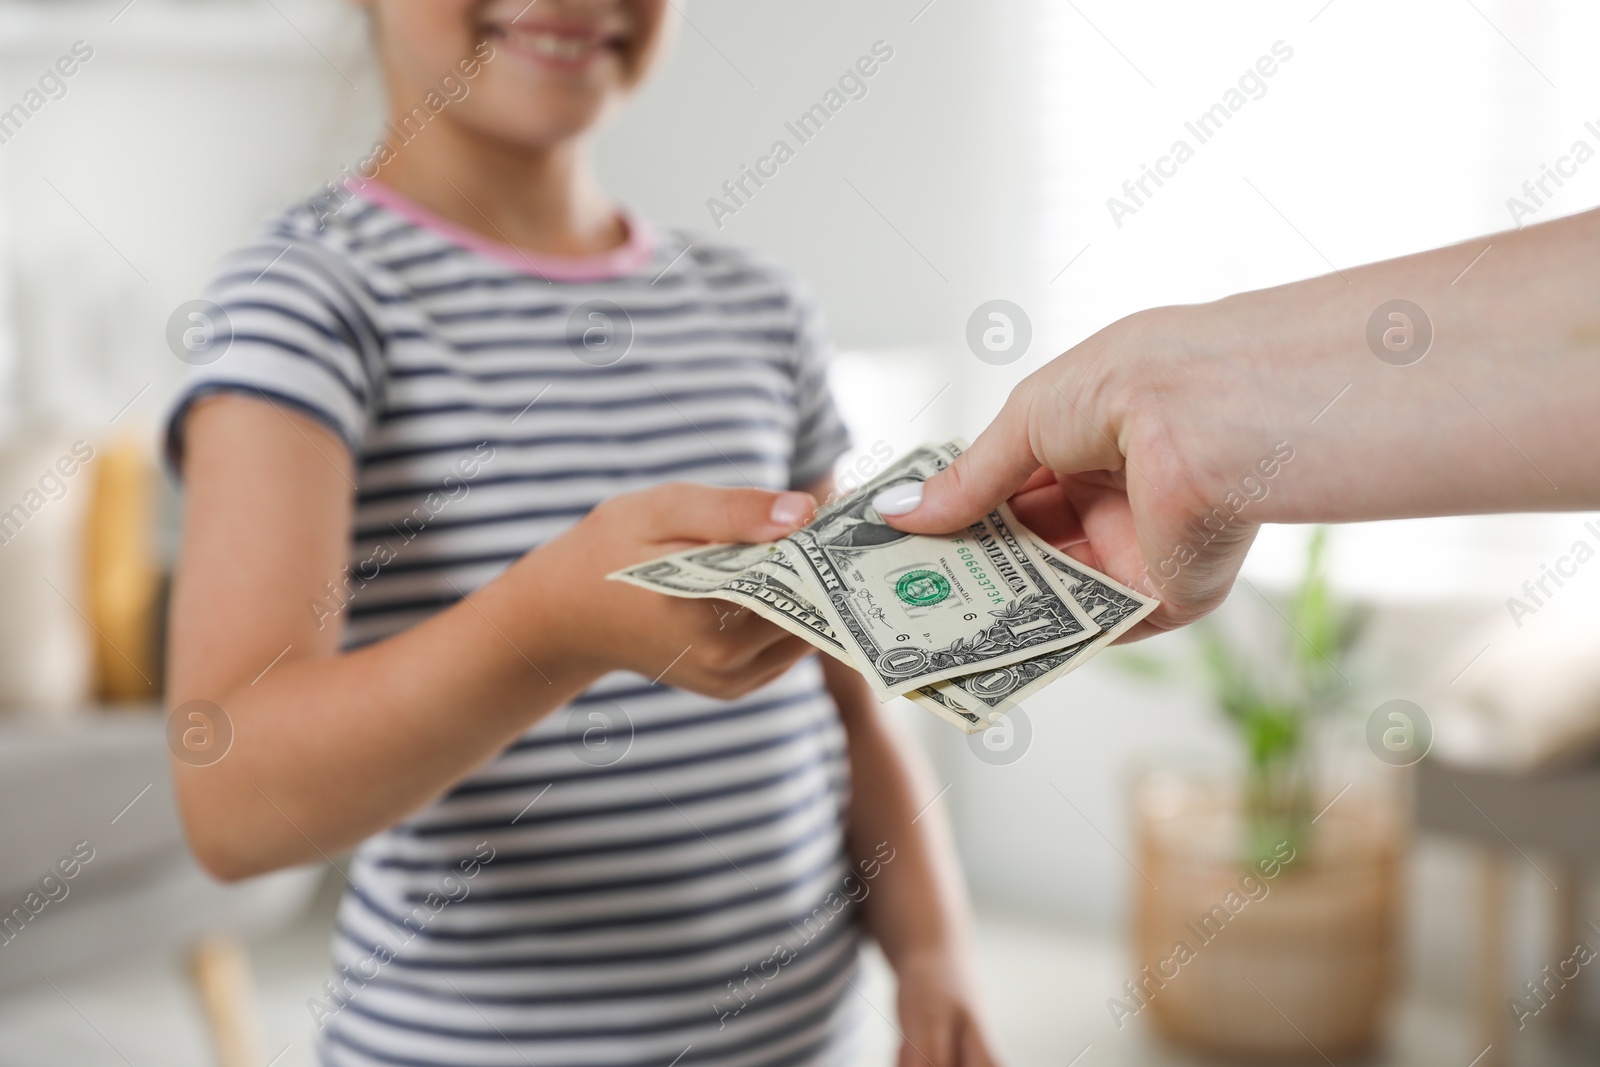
(281, 322)
(820, 435)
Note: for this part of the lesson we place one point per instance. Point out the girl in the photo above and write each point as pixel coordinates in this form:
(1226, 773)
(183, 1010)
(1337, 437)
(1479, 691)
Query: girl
(594, 825)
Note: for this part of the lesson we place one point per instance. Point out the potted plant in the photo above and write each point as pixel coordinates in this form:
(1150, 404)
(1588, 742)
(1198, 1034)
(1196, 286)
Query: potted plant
(1266, 916)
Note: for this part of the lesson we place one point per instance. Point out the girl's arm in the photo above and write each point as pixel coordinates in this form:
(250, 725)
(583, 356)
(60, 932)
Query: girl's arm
(915, 905)
(330, 747)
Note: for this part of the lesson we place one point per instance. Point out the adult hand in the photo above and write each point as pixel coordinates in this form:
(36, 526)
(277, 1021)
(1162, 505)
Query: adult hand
(1155, 449)
(1115, 452)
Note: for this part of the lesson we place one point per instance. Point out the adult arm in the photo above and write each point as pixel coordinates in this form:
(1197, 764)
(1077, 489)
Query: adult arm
(1129, 442)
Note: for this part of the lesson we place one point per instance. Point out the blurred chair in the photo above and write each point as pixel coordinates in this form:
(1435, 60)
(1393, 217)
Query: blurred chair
(1550, 820)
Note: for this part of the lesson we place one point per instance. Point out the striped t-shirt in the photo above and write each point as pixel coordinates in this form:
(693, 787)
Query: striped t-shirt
(647, 876)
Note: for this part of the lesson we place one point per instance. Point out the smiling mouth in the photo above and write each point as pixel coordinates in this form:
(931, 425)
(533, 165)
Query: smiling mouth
(564, 46)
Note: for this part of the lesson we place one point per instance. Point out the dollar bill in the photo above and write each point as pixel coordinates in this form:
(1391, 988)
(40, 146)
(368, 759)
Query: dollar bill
(776, 593)
(915, 609)
(965, 625)
(1112, 605)
(940, 701)
(909, 609)
(715, 572)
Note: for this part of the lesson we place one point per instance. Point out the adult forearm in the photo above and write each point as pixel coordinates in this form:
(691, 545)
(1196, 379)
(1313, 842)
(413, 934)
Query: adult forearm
(1496, 412)
(1173, 434)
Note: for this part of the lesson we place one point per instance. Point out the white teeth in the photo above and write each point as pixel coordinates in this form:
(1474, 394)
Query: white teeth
(559, 47)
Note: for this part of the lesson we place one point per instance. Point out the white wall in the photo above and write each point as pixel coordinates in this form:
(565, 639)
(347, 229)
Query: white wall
(933, 146)
(190, 124)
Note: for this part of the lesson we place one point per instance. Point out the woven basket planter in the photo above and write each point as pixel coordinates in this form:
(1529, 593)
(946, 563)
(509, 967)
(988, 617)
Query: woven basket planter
(1287, 956)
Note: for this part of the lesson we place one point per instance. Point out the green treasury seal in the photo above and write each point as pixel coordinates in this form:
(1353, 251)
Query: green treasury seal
(921, 588)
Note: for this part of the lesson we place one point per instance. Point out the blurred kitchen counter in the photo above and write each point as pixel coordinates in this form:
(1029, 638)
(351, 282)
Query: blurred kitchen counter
(98, 780)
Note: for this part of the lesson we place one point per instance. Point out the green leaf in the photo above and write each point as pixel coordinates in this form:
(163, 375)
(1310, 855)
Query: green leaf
(1233, 684)
(1141, 664)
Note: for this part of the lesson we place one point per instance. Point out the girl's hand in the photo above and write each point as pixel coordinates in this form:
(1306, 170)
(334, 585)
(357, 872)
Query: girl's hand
(707, 646)
(939, 1019)
(319, 732)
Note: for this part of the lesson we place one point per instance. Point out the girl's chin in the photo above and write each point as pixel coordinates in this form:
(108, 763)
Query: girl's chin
(516, 126)
(564, 88)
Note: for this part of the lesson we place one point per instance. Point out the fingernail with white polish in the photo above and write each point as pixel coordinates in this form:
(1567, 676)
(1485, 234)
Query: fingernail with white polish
(789, 509)
(898, 499)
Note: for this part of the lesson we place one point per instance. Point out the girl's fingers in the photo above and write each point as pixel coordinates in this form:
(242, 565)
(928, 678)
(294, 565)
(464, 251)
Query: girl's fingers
(739, 625)
(777, 658)
(703, 513)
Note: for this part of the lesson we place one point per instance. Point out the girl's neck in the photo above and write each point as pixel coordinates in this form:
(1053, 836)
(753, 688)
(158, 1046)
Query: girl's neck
(542, 200)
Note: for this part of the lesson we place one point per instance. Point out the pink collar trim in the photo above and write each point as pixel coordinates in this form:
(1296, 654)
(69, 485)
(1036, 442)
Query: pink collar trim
(625, 259)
